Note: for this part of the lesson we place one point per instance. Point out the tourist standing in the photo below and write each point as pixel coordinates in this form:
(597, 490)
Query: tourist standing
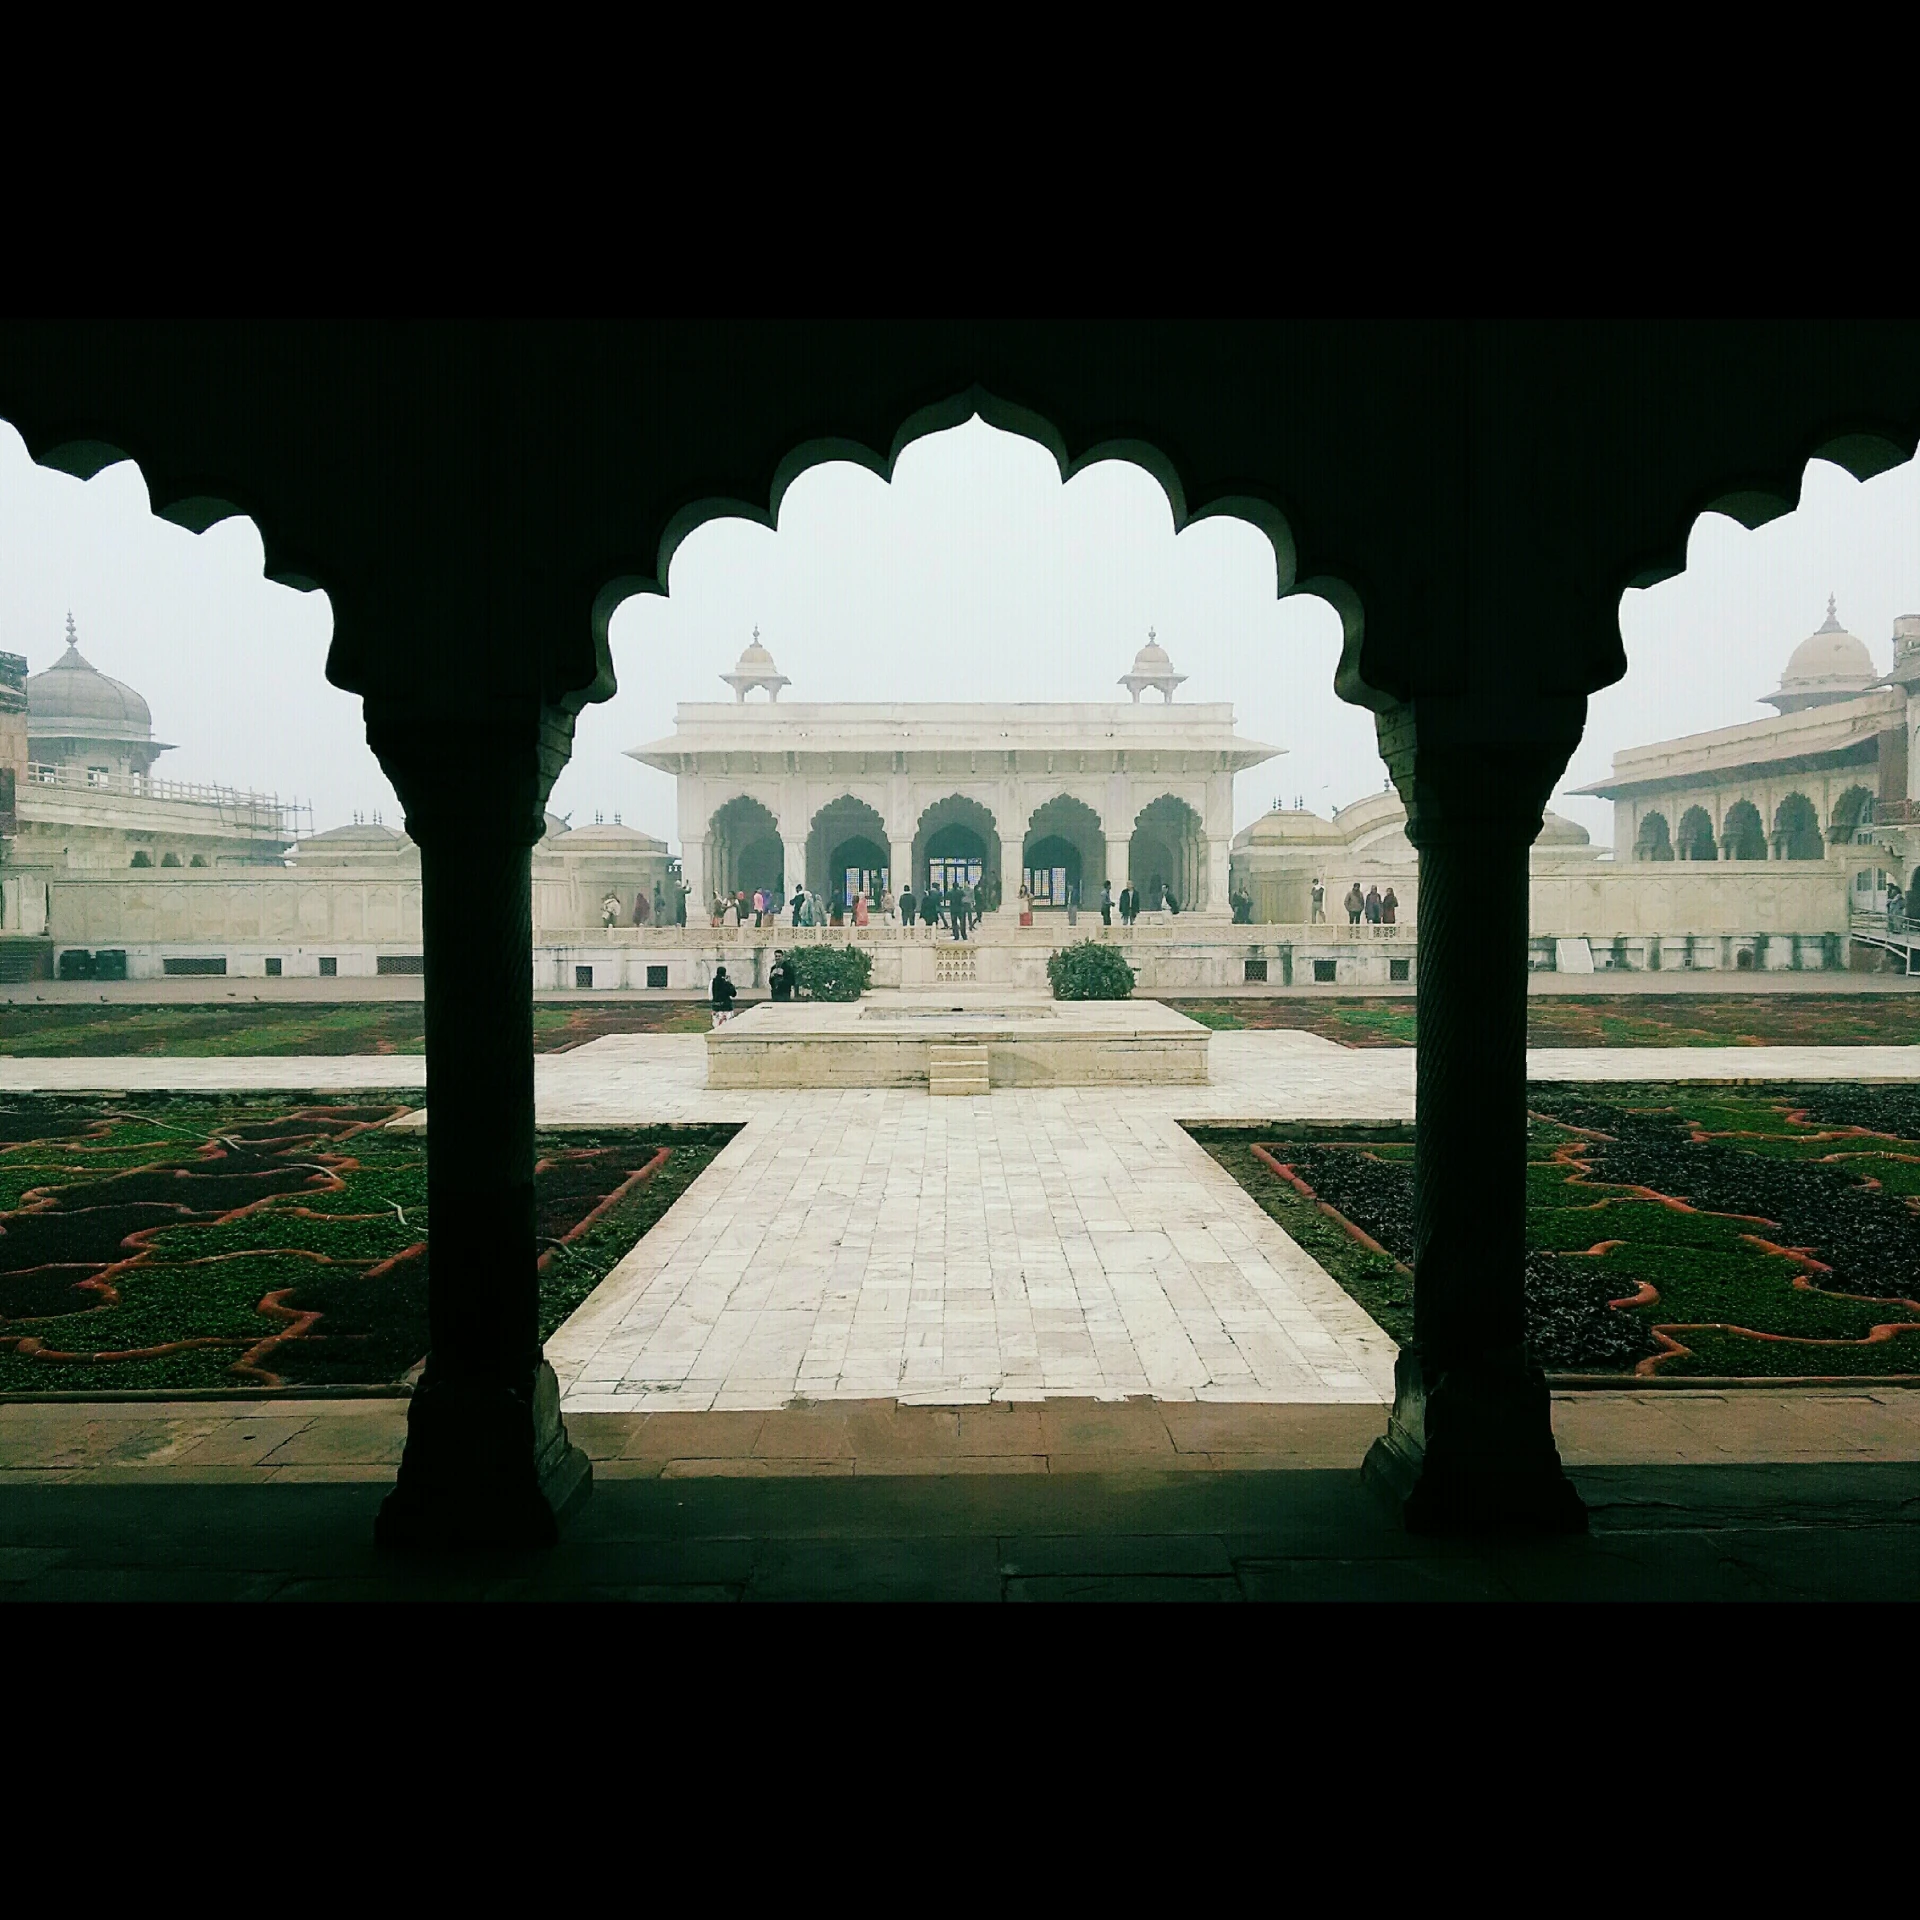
(659, 906)
(1319, 901)
(906, 906)
(860, 908)
(1373, 906)
(1355, 904)
(969, 905)
(780, 977)
(799, 900)
(1106, 903)
(1389, 906)
(929, 907)
(722, 995)
(1073, 905)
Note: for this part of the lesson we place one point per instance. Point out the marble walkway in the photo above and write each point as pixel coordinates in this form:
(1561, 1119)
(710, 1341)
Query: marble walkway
(863, 1244)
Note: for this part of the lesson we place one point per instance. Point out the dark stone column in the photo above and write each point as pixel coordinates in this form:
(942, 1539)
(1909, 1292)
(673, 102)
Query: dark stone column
(487, 1460)
(1470, 1443)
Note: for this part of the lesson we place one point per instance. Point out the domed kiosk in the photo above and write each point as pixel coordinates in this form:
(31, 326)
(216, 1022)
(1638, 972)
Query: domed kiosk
(1152, 668)
(1829, 664)
(755, 668)
(79, 716)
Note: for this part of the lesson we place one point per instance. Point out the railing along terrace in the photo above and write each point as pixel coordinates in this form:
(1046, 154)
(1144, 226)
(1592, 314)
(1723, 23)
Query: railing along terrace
(255, 810)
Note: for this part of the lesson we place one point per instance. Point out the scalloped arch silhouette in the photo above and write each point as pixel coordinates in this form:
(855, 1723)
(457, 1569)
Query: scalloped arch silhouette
(975, 402)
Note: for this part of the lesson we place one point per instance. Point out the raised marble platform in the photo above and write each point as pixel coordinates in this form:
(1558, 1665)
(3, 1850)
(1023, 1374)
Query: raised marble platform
(900, 1039)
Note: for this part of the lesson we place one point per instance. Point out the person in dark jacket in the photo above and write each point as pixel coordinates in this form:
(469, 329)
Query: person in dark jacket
(780, 977)
(1389, 906)
(722, 994)
(1373, 906)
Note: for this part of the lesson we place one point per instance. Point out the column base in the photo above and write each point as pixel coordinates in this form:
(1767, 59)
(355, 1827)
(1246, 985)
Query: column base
(1471, 1451)
(484, 1467)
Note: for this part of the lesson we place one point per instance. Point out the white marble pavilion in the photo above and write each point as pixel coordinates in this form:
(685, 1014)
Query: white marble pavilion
(1050, 795)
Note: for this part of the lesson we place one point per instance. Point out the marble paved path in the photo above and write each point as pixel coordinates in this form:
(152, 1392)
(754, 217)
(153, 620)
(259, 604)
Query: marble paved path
(1266, 1076)
(860, 1244)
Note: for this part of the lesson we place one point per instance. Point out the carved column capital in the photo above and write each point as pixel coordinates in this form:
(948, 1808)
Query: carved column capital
(479, 768)
(1470, 774)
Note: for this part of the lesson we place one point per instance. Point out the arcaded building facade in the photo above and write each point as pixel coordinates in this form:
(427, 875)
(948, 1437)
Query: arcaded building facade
(1837, 755)
(1058, 797)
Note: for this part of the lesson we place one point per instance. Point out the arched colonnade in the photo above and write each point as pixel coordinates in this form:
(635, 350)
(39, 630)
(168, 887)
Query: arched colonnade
(1062, 843)
(1767, 827)
(478, 501)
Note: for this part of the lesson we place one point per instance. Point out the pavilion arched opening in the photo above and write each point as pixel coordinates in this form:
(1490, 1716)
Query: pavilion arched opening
(847, 852)
(1796, 830)
(1652, 842)
(1852, 811)
(743, 849)
(1168, 854)
(1742, 837)
(958, 843)
(1695, 840)
(1064, 852)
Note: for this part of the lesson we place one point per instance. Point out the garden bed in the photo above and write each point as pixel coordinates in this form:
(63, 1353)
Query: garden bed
(173, 1241)
(271, 1029)
(1671, 1231)
(1708, 1019)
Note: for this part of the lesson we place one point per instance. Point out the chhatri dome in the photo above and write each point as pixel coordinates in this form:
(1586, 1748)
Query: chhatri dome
(1152, 668)
(755, 668)
(75, 712)
(1829, 664)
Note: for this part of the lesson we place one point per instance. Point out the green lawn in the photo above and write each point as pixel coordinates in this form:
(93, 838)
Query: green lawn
(178, 1241)
(1672, 1230)
(1601, 1020)
(96, 1032)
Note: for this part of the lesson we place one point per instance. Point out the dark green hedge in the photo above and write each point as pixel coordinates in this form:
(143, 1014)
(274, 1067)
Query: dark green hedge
(1090, 970)
(830, 973)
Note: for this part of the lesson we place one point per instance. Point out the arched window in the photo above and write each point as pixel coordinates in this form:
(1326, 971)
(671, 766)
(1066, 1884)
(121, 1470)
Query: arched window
(1796, 830)
(1852, 811)
(1696, 836)
(1651, 843)
(744, 853)
(1742, 837)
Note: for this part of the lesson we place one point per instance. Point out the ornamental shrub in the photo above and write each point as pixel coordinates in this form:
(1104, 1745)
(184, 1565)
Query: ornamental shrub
(830, 973)
(1090, 970)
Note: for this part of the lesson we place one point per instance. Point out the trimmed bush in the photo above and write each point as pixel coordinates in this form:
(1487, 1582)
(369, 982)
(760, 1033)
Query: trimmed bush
(830, 973)
(1089, 970)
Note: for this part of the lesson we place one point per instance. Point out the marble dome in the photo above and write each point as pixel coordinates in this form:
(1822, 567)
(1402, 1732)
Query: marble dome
(74, 700)
(1829, 664)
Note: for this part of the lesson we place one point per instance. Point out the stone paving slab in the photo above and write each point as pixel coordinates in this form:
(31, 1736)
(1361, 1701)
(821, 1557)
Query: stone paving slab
(265, 1443)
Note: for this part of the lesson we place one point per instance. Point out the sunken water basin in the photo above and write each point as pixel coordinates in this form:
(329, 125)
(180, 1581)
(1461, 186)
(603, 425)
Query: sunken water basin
(891, 1039)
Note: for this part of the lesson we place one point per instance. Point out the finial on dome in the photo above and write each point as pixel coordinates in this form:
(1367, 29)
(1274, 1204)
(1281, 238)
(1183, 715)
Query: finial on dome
(73, 637)
(755, 668)
(1152, 668)
(1833, 615)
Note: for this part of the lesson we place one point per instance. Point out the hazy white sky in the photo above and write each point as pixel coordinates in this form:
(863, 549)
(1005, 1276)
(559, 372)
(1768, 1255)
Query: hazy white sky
(975, 574)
